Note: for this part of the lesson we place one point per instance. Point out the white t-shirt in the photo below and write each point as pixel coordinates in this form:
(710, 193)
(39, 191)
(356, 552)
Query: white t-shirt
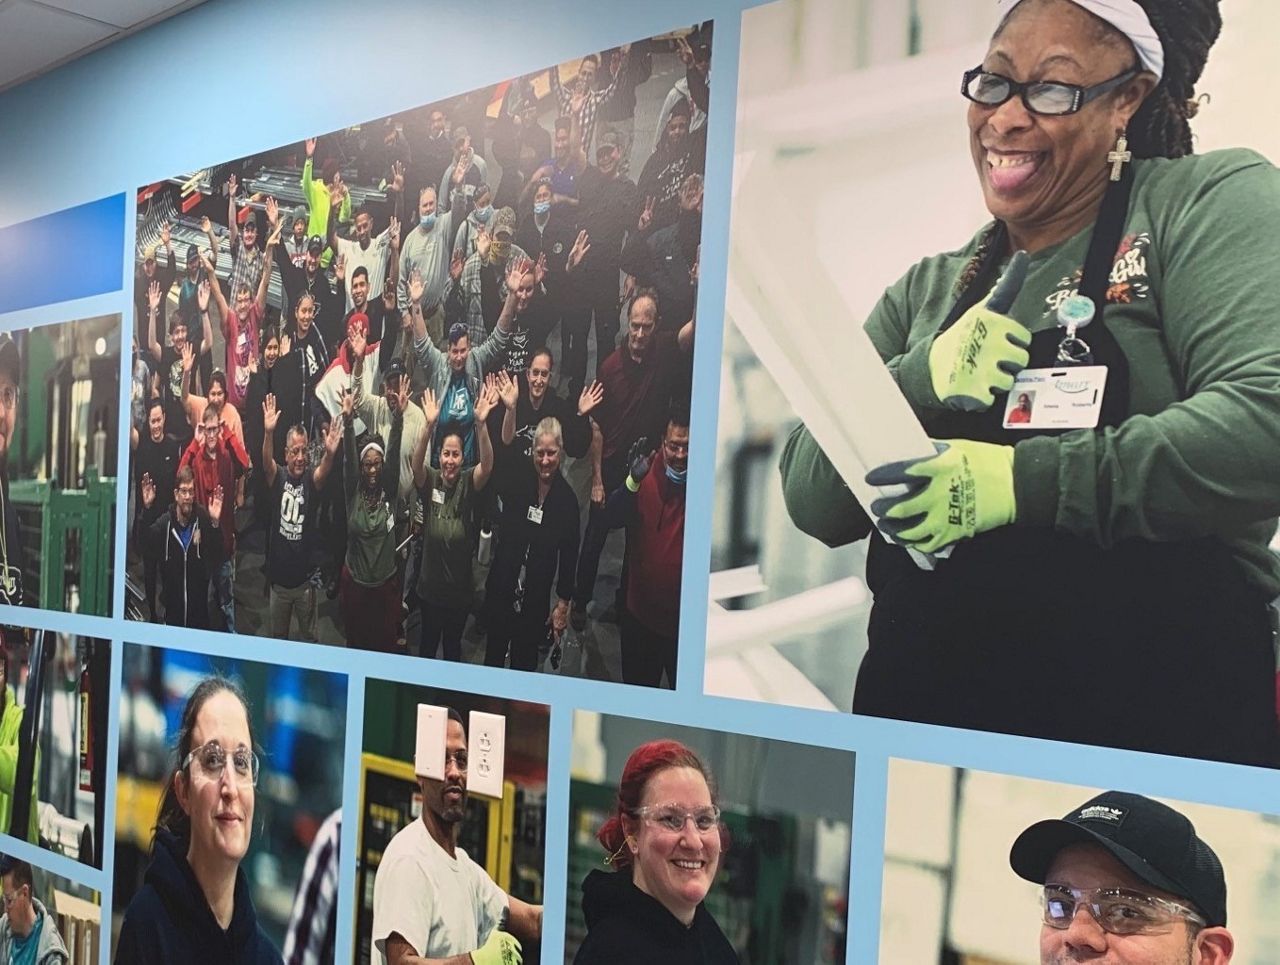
(373, 259)
(440, 905)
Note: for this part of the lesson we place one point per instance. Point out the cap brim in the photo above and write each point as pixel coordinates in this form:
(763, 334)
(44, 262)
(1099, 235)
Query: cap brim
(1033, 852)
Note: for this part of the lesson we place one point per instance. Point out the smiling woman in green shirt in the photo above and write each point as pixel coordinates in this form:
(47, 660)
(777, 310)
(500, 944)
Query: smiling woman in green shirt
(1139, 614)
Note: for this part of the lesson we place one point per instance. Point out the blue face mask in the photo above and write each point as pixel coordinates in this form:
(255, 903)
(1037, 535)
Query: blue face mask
(677, 477)
(428, 222)
(483, 214)
(541, 208)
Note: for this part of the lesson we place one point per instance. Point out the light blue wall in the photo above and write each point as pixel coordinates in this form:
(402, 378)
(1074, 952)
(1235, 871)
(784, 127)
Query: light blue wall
(223, 81)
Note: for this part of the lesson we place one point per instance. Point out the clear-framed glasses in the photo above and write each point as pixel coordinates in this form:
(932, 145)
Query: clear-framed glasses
(212, 761)
(1039, 97)
(672, 817)
(1117, 910)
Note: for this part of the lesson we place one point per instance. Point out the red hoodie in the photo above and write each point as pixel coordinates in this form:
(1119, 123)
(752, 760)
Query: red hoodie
(655, 551)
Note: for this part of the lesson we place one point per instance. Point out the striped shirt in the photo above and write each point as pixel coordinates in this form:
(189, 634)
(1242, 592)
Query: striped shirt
(310, 938)
(591, 104)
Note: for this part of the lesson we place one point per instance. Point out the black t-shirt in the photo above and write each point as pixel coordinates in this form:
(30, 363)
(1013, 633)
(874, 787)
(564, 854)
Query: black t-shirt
(292, 533)
(508, 460)
(160, 460)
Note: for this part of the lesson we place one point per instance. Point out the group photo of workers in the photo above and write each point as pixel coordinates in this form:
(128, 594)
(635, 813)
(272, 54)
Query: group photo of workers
(54, 716)
(421, 385)
(452, 855)
(47, 919)
(59, 422)
(228, 810)
(1035, 418)
(695, 845)
(1157, 880)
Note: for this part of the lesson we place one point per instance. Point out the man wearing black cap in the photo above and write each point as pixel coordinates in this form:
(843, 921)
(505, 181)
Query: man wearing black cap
(11, 556)
(1126, 881)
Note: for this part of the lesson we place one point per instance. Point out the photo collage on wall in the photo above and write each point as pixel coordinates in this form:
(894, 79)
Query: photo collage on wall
(523, 504)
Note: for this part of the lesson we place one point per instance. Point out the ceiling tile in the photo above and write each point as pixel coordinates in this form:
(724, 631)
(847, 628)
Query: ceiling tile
(122, 13)
(32, 37)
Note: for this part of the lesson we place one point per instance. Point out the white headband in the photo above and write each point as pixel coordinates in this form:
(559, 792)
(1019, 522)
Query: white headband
(1127, 17)
(371, 445)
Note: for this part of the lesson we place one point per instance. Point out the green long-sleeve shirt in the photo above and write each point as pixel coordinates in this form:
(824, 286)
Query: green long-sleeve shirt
(1194, 303)
(10, 723)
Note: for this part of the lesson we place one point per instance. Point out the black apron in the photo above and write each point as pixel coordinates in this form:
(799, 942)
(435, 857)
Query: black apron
(1153, 646)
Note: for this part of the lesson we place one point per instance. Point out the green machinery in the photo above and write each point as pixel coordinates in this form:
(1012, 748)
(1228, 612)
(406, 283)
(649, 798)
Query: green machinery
(68, 535)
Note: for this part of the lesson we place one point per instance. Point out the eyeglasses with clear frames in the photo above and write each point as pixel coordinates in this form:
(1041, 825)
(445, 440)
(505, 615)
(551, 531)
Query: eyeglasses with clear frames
(1118, 911)
(672, 817)
(212, 760)
(1047, 97)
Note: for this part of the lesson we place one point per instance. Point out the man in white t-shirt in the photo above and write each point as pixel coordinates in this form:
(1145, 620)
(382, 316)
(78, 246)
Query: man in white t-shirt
(433, 905)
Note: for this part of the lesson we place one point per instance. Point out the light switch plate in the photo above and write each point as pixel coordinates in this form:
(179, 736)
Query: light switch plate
(428, 752)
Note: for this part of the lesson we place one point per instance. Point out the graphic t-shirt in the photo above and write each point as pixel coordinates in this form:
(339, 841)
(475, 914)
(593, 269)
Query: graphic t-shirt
(457, 414)
(293, 532)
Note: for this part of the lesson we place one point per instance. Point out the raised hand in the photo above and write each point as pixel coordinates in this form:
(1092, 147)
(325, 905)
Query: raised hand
(153, 296)
(592, 395)
(164, 234)
(430, 406)
(483, 242)
(455, 265)
(203, 292)
(460, 169)
(540, 269)
(389, 295)
(285, 344)
(188, 357)
(270, 414)
(416, 286)
(231, 186)
(640, 458)
(215, 503)
(402, 396)
(273, 212)
(148, 490)
(628, 288)
(205, 224)
(393, 234)
(397, 175)
(516, 270)
(359, 340)
(646, 216)
(310, 145)
(580, 247)
(487, 399)
(508, 389)
(685, 51)
(252, 364)
(274, 237)
(333, 437)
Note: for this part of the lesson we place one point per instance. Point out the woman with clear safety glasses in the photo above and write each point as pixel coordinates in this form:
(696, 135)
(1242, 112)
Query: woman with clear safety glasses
(664, 842)
(1129, 287)
(195, 906)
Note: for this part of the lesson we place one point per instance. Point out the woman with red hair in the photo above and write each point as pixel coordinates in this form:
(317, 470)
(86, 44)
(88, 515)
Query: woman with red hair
(664, 843)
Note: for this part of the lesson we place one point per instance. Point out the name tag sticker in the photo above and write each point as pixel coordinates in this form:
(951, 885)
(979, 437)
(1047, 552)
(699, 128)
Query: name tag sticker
(535, 515)
(437, 496)
(1063, 398)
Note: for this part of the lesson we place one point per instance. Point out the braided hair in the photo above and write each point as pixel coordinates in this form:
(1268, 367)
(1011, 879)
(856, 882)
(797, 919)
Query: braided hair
(1159, 127)
(1187, 29)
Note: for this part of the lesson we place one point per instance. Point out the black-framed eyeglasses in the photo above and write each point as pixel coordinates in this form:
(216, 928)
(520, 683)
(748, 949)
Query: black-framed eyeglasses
(1116, 910)
(1039, 97)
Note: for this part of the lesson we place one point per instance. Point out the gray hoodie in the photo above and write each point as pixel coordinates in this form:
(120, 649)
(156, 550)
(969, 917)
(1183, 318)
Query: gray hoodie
(50, 950)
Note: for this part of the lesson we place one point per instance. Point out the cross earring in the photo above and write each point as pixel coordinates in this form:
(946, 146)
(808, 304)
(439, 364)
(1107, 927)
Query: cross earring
(1119, 156)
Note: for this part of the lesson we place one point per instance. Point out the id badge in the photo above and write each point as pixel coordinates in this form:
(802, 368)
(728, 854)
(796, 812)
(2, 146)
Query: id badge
(1063, 398)
(535, 515)
(437, 496)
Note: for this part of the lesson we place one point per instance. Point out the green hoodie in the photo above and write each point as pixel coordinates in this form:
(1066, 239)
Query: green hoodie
(10, 723)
